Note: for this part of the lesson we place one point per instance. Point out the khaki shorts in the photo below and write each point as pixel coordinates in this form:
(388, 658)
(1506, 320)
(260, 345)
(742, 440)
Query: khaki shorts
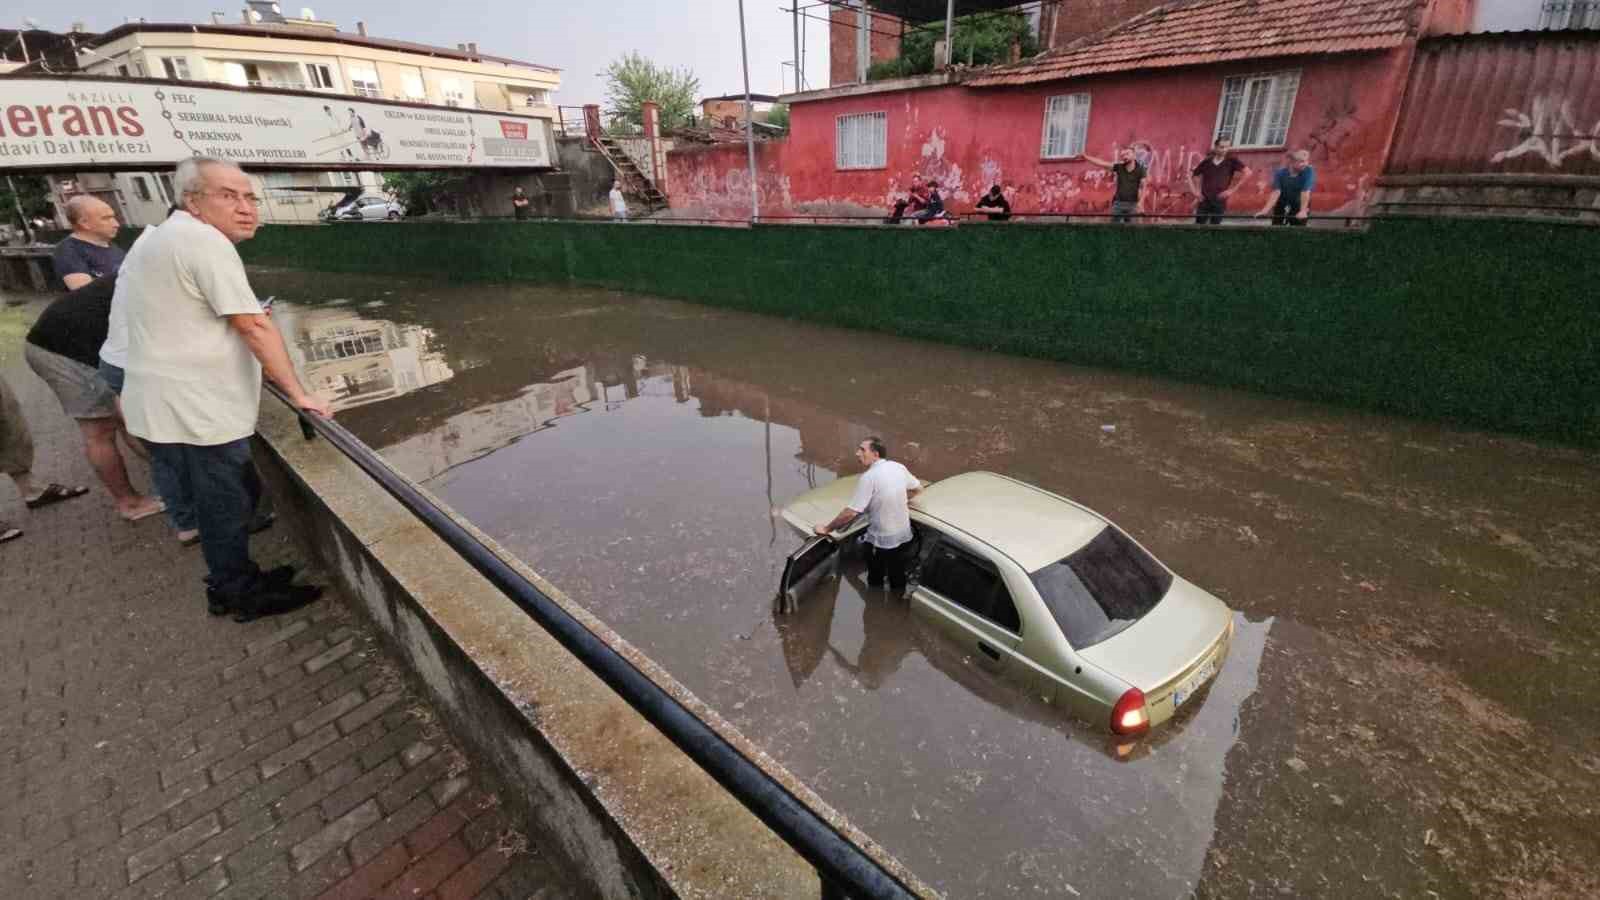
(16, 444)
(81, 390)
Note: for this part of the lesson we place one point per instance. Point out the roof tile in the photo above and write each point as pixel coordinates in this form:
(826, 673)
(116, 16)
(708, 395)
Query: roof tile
(1194, 32)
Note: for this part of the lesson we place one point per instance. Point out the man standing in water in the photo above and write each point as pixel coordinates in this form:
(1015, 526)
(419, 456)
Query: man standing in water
(884, 494)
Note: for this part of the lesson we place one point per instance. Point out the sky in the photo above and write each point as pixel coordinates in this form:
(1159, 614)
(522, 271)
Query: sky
(580, 38)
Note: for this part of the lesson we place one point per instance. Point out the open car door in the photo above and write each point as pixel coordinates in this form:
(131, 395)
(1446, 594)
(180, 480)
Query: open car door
(816, 561)
(818, 557)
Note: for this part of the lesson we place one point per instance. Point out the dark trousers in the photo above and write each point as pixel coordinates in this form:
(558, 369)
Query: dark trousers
(1287, 212)
(225, 487)
(883, 563)
(1210, 211)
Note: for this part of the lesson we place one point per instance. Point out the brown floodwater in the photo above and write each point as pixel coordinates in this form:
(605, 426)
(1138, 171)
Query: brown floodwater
(1408, 710)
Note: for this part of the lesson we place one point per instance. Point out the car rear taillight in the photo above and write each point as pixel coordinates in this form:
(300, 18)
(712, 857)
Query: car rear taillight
(1129, 715)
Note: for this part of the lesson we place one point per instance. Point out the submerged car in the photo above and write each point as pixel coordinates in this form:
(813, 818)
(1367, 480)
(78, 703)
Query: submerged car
(1042, 589)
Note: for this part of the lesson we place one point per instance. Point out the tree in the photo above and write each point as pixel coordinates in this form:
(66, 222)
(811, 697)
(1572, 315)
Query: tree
(425, 192)
(981, 40)
(32, 192)
(632, 80)
(779, 115)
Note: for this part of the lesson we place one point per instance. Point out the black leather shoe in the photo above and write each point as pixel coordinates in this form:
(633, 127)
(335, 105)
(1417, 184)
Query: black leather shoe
(280, 577)
(274, 601)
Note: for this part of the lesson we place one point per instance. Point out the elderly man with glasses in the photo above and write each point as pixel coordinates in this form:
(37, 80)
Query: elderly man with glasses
(198, 342)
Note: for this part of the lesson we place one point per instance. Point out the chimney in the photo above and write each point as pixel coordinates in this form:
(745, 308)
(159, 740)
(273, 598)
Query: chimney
(461, 48)
(361, 29)
(245, 15)
(472, 47)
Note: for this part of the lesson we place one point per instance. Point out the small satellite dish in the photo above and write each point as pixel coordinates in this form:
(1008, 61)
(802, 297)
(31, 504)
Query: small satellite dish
(308, 14)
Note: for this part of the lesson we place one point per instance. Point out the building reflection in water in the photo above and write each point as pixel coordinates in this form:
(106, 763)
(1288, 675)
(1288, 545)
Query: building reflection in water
(351, 360)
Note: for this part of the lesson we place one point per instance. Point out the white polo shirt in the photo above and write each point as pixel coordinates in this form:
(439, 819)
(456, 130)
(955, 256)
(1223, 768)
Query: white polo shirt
(115, 349)
(190, 377)
(881, 494)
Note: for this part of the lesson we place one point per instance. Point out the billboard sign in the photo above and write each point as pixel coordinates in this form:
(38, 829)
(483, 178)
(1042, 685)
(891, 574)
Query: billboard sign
(65, 123)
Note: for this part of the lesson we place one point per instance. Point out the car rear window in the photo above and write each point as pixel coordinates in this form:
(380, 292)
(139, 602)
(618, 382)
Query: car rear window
(1107, 585)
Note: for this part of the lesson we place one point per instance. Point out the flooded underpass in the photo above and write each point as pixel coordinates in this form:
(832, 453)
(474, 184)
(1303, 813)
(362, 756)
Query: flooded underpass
(1407, 710)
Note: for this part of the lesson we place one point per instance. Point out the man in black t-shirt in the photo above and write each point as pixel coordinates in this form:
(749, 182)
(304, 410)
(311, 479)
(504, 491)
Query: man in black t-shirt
(1213, 182)
(87, 253)
(63, 349)
(1128, 199)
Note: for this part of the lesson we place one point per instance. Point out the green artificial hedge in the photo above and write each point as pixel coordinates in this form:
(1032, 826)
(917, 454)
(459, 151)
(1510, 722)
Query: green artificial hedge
(1482, 322)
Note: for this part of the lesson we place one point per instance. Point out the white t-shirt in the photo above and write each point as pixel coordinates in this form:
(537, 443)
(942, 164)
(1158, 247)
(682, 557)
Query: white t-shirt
(191, 378)
(618, 204)
(115, 349)
(881, 494)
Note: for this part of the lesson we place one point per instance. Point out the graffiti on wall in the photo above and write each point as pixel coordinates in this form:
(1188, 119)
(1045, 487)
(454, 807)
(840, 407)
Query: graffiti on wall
(1549, 130)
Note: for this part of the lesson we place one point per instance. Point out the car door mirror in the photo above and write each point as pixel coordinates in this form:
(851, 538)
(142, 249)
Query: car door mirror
(816, 559)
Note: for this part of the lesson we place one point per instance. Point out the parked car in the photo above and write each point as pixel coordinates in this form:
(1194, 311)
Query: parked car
(1043, 590)
(365, 208)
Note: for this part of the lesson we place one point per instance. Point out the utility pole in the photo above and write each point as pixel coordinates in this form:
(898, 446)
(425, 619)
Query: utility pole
(749, 117)
(795, 8)
(949, 29)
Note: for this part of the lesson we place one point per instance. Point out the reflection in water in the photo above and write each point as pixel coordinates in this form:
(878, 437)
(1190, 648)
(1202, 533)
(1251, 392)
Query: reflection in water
(632, 450)
(634, 483)
(349, 359)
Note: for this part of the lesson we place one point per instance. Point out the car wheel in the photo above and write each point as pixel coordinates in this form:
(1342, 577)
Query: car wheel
(393, 215)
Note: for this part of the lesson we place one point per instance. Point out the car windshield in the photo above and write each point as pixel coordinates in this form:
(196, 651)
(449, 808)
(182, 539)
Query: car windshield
(1107, 585)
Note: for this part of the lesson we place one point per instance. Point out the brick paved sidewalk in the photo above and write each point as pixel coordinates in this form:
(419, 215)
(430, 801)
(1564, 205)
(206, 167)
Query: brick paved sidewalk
(150, 750)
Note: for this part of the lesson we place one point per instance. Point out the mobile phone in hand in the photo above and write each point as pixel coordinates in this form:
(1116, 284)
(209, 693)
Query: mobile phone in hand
(266, 305)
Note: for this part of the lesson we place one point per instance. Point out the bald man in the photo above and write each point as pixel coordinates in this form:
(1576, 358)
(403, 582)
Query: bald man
(87, 253)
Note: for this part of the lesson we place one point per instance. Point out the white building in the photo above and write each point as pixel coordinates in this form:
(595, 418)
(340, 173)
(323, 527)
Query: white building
(269, 50)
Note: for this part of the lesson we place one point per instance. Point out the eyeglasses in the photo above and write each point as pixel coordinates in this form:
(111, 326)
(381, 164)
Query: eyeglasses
(232, 197)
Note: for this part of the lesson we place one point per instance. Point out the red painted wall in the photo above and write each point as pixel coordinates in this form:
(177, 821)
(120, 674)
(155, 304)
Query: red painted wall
(968, 138)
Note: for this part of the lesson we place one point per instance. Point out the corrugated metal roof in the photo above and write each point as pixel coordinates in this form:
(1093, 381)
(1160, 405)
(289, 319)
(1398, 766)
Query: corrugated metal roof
(1196, 32)
(1514, 103)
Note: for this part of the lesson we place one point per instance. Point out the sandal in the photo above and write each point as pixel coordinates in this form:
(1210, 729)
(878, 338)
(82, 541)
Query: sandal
(7, 533)
(156, 510)
(55, 493)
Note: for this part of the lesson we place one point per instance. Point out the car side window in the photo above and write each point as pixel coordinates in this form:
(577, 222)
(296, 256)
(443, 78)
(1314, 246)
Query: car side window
(970, 582)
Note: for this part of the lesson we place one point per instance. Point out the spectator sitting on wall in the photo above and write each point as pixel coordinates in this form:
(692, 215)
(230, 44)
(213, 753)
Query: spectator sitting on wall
(87, 253)
(906, 204)
(1130, 174)
(994, 204)
(1217, 176)
(932, 205)
(1290, 203)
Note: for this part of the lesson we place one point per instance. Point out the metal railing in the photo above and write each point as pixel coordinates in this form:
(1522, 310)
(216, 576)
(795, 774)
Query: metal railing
(843, 868)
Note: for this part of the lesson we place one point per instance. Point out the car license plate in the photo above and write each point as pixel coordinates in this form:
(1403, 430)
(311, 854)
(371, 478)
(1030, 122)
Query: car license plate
(1195, 682)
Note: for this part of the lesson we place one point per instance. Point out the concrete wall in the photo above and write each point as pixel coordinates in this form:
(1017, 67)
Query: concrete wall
(589, 173)
(968, 139)
(620, 806)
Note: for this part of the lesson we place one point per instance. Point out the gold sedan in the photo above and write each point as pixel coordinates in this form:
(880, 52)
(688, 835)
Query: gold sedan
(1046, 592)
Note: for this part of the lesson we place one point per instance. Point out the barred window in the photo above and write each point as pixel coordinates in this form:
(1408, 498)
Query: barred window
(862, 141)
(1066, 126)
(1255, 109)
